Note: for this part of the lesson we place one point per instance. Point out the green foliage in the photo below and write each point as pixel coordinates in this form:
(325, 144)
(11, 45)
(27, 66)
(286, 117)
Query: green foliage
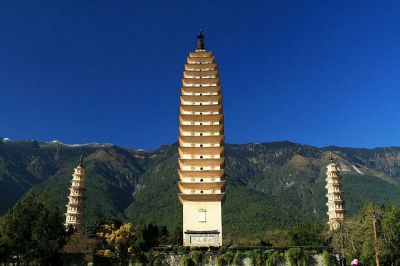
(34, 231)
(296, 257)
(91, 227)
(124, 241)
(390, 233)
(328, 259)
(275, 185)
(308, 234)
(255, 257)
(182, 250)
(271, 257)
(279, 238)
(150, 235)
(221, 261)
(302, 234)
(228, 257)
(197, 256)
(238, 258)
(225, 258)
(187, 261)
(155, 259)
(4, 249)
(176, 237)
(356, 238)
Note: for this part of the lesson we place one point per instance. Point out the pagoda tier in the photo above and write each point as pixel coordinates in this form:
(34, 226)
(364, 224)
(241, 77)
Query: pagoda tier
(200, 90)
(200, 99)
(201, 140)
(200, 74)
(200, 67)
(200, 197)
(205, 186)
(213, 174)
(201, 149)
(335, 200)
(202, 153)
(186, 130)
(74, 217)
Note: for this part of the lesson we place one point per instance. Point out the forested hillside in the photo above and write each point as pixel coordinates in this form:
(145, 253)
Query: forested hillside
(270, 185)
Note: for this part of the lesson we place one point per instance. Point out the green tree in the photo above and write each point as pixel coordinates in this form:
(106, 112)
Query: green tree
(373, 214)
(34, 231)
(3, 248)
(296, 257)
(177, 237)
(390, 230)
(307, 234)
(279, 238)
(373, 236)
(150, 235)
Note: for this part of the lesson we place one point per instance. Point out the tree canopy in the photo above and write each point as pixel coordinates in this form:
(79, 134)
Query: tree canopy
(32, 231)
(373, 236)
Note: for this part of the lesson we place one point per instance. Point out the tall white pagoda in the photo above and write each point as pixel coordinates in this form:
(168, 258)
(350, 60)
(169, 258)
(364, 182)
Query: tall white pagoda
(335, 200)
(201, 149)
(75, 208)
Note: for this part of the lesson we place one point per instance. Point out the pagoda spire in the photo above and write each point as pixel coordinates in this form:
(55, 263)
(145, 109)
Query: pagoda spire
(201, 149)
(74, 217)
(81, 161)
(334, 194)
(200, 41)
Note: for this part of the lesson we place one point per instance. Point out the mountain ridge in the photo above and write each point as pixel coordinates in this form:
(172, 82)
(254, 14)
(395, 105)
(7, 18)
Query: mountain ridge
(274, 184)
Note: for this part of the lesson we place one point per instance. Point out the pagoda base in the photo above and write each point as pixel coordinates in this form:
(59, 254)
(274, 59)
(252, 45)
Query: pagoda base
(201, 238)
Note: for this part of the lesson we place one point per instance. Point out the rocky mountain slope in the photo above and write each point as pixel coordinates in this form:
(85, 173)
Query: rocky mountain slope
(269, 184)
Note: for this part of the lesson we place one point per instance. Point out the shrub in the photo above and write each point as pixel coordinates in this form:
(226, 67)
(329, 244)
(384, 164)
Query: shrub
(154, 259)
(228, 256)
(296, 257)
(183, 250)
(187, 261)
(256, 257)
(196, 256)
(328, 259)
(221, 261)
(271, 257)
(237, 259)
(225, 259)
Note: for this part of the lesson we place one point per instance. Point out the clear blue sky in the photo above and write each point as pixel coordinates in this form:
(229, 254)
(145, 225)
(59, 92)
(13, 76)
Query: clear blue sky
(313, 72)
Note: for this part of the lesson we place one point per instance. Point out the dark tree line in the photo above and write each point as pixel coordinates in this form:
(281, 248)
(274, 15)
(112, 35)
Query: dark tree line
(32, 232)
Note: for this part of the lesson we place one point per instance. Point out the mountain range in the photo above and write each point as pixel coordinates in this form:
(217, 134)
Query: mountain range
(269, 185)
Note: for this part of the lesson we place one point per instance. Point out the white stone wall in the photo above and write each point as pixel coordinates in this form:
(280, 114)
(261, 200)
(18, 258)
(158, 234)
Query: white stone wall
(211, 259)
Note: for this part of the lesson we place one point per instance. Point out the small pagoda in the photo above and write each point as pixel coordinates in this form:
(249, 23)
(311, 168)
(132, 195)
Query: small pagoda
(74, 218)
(335, 200)
(201, 149)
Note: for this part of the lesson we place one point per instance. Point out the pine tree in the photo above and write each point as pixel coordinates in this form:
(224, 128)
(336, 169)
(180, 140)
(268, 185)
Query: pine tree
(34, 231)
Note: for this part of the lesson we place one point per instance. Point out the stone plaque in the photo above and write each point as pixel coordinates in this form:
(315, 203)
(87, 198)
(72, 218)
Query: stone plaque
(204, 240)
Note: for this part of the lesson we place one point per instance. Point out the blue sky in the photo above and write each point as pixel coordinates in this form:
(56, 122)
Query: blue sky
(314, 72)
